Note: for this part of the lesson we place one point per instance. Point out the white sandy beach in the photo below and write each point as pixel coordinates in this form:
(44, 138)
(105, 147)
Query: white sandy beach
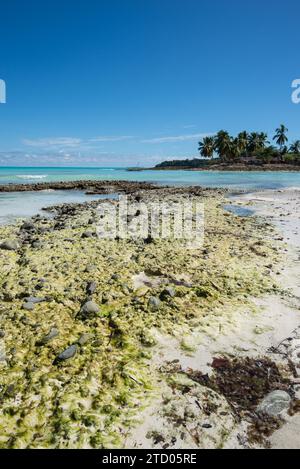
(253, 335)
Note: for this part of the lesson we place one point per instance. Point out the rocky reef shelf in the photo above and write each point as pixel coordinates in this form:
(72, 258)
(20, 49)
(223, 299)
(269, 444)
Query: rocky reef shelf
(85, 325)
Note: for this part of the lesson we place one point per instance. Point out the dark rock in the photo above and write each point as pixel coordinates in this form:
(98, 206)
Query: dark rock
(91, 288)
(37, 244)
(52, 335)
(44, 229)
(154, 303)
(2, 334)
(70, 352)
(28, 226)
(87, 234)
(89, 309)
(10, 245)
(149, 240)
(168, 292)
(8, 296)
(10, 390)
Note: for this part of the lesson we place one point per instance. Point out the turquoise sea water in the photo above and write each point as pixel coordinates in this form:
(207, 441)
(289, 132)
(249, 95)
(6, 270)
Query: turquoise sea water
(244, 180)
(16, 205)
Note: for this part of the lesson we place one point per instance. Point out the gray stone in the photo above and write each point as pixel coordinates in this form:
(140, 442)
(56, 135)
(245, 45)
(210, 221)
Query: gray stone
(28, 306)
(35, 300)
(70, 352)
(28, 226)
(275, 403)
(154, 303)
(52, 335)
(85, 338)
(10, 245)
(37, 245)
(91, 288)
(89, 309)
(167, 292)
(87, 234)
(2, 334)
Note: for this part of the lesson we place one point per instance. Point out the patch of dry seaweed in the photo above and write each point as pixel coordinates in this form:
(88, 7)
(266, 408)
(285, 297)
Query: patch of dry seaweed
(244, 382)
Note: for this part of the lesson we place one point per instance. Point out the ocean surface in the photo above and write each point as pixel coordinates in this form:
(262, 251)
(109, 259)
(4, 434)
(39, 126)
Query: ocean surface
(244, 180)
(22, 205)
(17, 205)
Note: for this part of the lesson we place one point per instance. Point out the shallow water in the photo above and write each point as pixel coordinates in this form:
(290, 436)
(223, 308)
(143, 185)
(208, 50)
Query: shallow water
(22, 205)
(239, 211)
(236, 180)
(27, 204)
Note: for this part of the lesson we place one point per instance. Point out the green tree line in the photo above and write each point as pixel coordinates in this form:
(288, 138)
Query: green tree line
(253, 146)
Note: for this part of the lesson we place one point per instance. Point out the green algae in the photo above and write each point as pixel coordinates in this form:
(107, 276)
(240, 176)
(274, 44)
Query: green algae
(90, 399)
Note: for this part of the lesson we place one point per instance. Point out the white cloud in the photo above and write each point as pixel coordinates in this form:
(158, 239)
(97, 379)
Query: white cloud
(111, 138)
(76, 158)
(176, 138)
(53, 142)
(60, 143)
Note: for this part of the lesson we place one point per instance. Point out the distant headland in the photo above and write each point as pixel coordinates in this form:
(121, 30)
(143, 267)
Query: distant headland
(244, 152)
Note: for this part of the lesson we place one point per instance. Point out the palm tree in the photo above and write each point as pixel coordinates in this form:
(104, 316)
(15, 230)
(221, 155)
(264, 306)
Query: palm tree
(295, 147)
(263, 139)
(280, 137)
(242, 140)
(207, 147)
(223, 145)
(257, 141)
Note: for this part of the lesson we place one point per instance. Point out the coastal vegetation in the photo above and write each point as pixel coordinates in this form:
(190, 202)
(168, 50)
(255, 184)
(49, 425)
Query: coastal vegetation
(251, 147)
(247, 149)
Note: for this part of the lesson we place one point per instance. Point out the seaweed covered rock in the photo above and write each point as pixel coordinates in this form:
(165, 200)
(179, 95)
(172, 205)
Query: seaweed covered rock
(91, 288)
(168, 292)
(89, 310)
(10, 245)
(154, 303)
(54, 332)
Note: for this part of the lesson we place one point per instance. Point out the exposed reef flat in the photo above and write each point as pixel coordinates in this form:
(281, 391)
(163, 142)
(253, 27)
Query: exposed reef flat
(98, 335)
(102, 187)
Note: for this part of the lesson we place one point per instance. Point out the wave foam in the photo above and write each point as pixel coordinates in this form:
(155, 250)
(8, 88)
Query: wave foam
(32, 176)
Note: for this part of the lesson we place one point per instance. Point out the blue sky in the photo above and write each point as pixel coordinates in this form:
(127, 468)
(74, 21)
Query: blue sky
(126, 82)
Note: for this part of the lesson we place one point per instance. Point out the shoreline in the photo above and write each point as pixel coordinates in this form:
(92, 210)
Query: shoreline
(215, 307)
(232, 168)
